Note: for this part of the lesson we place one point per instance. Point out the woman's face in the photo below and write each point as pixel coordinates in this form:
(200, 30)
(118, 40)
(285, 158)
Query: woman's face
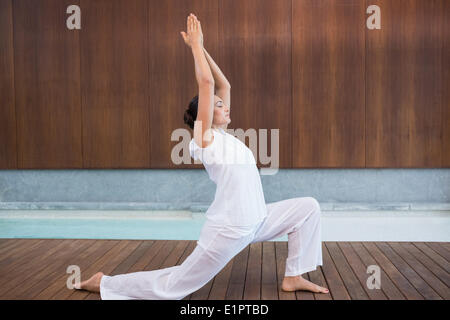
(221, 112)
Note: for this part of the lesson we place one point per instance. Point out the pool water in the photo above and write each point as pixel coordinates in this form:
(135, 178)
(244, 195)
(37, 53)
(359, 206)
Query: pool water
(100, 229)
(101, 224)
(171, 225)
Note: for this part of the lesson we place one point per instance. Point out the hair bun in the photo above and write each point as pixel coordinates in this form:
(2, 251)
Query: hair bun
(188, 118)
(190, 114)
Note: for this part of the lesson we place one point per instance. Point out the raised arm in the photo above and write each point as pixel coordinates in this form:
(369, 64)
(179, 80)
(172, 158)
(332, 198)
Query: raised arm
(202, 134)
(223, 87)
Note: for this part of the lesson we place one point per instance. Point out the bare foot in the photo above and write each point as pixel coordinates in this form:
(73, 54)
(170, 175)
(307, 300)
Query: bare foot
(299, 283)
(92, 284)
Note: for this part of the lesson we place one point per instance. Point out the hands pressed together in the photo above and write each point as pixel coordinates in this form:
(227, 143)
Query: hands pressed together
(194, 35)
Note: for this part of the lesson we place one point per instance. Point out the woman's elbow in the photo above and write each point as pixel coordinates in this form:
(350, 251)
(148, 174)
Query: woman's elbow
(206, 81)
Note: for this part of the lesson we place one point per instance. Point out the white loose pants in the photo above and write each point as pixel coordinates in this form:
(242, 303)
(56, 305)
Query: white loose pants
(299, 218)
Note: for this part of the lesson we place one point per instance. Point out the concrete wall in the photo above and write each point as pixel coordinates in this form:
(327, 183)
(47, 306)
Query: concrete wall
(191, 189)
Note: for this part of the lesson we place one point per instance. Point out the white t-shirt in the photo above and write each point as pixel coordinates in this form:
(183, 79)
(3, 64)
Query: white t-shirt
(239, 198)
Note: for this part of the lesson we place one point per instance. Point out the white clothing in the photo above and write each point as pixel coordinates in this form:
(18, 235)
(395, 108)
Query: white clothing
(239, 198)
(299, 218)
(237, 217)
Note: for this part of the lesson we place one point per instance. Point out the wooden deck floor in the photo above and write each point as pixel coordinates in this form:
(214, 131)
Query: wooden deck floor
(36, 268)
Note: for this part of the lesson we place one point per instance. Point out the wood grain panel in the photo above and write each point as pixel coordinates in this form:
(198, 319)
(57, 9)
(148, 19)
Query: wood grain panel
(387, 287)
(328, 83)
(269, 286)
(445, 84)
(413, 271)
(58, 286)
(255, 55)
(281, 253)
(114, 74)
(252, 287)
(8, 151)
(220, 285)
(47, 85)
(172, 74)
(354, 286)
(395, 274)
(431, 279)
(236, 285)
(360, 270)
(111, 94)
(403, 85)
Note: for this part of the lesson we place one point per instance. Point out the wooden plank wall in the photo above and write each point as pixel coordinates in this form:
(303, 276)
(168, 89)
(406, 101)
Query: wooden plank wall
(328, 83)
(445, 97)
(8, 143)
(115, 81)
(111, 94)
(47, 86)
(403, 86)
(255, 42)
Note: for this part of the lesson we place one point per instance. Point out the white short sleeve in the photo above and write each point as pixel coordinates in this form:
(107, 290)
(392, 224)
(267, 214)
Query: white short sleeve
(206, 155)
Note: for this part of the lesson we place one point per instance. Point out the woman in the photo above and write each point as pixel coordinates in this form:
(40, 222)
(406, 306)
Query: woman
(238, 215)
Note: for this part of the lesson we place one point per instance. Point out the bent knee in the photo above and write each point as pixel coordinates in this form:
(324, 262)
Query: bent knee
(315, 205)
